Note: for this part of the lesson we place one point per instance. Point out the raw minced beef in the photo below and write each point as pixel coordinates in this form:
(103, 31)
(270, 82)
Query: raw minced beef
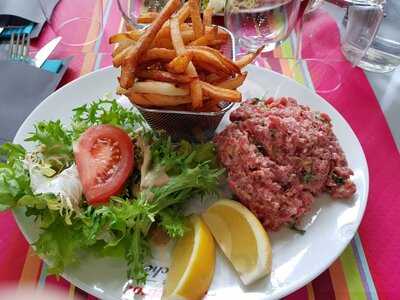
(279, 156)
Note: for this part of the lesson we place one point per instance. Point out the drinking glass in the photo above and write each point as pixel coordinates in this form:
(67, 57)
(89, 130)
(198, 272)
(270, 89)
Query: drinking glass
(378, 48)
(262, 22)
(78, 22)
(132, 9)
(308, 31)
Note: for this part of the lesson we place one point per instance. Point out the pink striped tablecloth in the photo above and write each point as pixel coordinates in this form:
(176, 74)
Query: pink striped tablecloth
(369, 266)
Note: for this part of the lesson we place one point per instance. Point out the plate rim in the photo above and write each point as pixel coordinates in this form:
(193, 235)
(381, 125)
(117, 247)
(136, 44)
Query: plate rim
(282, 292)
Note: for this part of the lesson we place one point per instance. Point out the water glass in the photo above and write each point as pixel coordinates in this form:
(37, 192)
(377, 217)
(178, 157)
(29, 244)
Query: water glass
(262, 22)
(78, 22)
(382, 54)
(132, 9)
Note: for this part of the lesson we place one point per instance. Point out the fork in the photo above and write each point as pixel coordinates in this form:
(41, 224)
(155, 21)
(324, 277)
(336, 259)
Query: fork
(19, 46)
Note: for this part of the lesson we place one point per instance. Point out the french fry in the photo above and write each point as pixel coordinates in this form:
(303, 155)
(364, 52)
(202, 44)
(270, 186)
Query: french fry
(248, 58)
(215, 78)
(183, 13)
(224, 60)
(128, 27)
(162, 43)
(132, 35)
(221, 94)
(196, 92)
(122, 46)
(162, 54)
(233, 83)
(139, 99)
(177, 65)
(198, 27)
(206, 39)
(216, 43)
(158, 87)
(210, 62)
(180, 63)
(131, 59)
(147, 17)
(201, 41)
(207, 16)
(222, 35)
(164, 100)
(165, 31)
(188, 36)
(159, 75)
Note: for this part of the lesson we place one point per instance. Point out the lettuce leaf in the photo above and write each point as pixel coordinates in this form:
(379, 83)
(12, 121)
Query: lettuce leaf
(54, 144)
(104, 111)
(14, 179)
(120, 228)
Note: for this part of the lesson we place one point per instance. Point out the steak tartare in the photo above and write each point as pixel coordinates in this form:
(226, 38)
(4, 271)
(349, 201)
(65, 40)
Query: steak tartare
(279, 156)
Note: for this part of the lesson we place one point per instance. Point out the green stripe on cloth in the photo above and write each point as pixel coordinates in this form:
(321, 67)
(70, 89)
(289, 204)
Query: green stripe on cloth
(352, 275)
(294, 67)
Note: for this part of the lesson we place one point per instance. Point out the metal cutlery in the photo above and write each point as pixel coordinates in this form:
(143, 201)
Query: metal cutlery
(19, 49)
(45, 51)
(19, 46)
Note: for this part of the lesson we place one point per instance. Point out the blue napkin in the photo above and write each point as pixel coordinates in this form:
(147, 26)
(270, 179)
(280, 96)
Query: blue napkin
(52, 65)
(6, 34)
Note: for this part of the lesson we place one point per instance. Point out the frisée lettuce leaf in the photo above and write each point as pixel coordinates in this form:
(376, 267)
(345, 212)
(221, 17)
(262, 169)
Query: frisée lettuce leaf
(105, 111)
(121, 228)
(14, 178)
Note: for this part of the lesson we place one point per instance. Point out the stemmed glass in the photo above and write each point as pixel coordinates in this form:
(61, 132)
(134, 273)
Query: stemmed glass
(77, 27)
(261, 23)
(132, 9)
(328, 79)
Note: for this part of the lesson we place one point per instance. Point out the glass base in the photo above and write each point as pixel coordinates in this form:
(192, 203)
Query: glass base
(325, 78)
(73, 33)
(377, 68)
(373, 60)
(254, 44)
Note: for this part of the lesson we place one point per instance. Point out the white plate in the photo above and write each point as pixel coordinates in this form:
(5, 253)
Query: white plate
(297, 259)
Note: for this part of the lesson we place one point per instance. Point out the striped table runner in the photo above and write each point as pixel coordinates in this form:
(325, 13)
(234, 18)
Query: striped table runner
(367, 267)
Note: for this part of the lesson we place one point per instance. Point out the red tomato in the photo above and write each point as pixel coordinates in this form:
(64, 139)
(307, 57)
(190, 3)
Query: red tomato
(104, 157)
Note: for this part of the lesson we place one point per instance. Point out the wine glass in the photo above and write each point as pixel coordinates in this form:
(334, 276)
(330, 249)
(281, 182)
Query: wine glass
(327, 79)
(79, 23)
(261, 23)
(132, 9)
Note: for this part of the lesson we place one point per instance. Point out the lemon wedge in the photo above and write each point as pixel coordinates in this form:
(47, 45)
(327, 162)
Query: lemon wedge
(193, 261)
(241, 238)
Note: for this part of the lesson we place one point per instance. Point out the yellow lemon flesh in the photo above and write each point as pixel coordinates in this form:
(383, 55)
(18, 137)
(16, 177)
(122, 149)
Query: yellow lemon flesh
(193, 261)
(241, 237)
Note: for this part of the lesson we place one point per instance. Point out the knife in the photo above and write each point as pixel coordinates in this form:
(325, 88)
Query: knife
(45, 51)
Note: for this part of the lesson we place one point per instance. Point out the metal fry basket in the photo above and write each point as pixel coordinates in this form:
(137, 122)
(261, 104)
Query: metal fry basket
(192, 126)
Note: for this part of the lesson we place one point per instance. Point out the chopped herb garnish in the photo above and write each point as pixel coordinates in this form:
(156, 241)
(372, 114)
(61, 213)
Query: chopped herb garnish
(298, 230)
(338, 179)
(307, 177)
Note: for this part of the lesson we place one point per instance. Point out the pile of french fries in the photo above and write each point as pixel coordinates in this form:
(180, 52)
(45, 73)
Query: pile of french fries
(174, 64)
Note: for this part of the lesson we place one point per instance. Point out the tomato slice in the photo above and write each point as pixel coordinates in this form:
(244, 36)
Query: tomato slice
(104, 158)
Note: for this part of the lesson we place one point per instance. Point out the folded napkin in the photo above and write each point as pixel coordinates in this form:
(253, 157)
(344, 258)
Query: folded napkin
(22, 88)
(52, 65)
(27, 29)
(28, 14)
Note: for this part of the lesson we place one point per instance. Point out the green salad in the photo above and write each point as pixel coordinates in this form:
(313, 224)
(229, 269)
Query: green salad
(98, 204)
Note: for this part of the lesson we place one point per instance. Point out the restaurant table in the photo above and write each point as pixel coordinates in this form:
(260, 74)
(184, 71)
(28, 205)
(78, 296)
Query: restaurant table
(369, 267)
